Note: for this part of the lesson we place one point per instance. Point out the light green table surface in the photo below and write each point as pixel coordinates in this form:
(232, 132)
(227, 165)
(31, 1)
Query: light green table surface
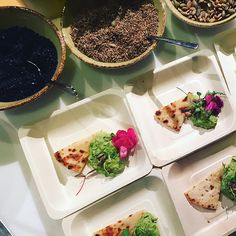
(21, 207)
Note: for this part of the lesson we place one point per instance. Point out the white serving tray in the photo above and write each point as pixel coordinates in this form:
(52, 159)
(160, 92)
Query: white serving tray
(182, 175)
(196, 72)
(225, 46)
(148, 193)
(106, 111)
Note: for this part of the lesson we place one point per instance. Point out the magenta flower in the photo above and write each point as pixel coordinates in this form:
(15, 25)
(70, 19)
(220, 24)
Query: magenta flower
(125, 141)
(213, 104)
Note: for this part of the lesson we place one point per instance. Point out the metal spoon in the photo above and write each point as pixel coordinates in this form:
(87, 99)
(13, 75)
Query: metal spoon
(66, 87)
(191, 45)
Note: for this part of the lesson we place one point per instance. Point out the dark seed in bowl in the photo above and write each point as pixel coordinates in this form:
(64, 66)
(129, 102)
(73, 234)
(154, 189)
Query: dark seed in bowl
(116, 31)
(207, 11)
(27, 63)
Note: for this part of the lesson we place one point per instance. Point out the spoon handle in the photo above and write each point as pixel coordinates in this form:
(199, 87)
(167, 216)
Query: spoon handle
(67, 88)
(191, 45)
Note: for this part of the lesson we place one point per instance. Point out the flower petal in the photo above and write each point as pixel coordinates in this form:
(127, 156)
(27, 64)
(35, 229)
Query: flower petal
(121, 133)
(133, 136)
(208, 98)
(124, 141)
(123, 152)
(219, 101)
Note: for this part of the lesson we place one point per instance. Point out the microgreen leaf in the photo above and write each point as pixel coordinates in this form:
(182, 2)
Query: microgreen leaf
(125, 232)
(199, 94)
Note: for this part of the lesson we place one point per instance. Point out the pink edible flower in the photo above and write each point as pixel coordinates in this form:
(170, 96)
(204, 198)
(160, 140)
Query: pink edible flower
(125, 141)
(213, 104)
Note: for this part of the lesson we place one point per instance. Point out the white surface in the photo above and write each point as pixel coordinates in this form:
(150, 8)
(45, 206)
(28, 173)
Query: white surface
(21, 207)
(225, 46)
(149, 194)
(198, 72)
(181, 176)
(106, 111)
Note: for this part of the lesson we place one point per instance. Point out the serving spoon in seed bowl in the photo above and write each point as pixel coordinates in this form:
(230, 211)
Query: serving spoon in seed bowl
(192, 45)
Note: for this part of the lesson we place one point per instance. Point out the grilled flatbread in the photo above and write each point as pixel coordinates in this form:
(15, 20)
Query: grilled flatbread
(75, 156)
(174, 114)
(117, 228)
(206, 193)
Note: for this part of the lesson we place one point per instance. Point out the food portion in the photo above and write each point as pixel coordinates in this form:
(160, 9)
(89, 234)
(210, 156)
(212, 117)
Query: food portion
(206, 193)
(205, 11)
(174, 114)
(75, 156)
(115, 30)
(107, 153)
(228, 184)
(141, 223)
(203, 111)
(104, 157)
(206, 109)
(146, 226)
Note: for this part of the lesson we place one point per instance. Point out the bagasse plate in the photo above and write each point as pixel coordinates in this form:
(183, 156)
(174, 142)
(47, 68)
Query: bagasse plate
(225, 46)
(106, 111)
(148, 193)
(197, 72)
(182, 175)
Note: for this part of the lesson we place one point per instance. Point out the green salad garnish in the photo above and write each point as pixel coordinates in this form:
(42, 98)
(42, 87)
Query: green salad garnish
(205, 109)
(204, 120)
(228, 183)
(125, 232)
(104, 157)
(146, 226)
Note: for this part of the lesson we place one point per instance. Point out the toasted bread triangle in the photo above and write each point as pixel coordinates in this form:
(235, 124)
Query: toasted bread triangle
(173, 115)
(119, 226)
(75, 156)
(206, 193)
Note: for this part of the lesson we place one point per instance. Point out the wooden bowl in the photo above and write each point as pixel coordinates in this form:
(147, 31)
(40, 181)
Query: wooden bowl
(195, 23)
(11, 16)
(71, 9)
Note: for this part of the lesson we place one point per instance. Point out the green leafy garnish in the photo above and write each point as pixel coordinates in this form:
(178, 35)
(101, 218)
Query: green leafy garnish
(146, 226)
(228, 182)
(205, 110)
(104, 157)
(204, 120)
(125, 232)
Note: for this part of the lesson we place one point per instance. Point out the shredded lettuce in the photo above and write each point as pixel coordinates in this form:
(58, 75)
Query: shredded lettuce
(125, 232)
(146, 226)
(204, 121)
(104, 157)
(228, 182)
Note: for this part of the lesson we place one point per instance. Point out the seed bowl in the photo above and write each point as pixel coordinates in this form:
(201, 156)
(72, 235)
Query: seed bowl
(203, 13)
(100, 34)
(16, 63)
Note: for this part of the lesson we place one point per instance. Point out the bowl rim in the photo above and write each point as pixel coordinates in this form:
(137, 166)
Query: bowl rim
(185, 19)
(60, 64)
(113, 65)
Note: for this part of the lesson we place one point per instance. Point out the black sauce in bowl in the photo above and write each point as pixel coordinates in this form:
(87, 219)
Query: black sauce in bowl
(27, 63)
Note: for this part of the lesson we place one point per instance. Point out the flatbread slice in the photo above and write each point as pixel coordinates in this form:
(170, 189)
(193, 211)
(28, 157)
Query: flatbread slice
(174, 114)
(75, 156)
(117, 228)
(206, 193)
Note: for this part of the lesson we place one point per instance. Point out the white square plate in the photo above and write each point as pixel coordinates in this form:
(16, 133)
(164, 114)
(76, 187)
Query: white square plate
(148, 193)
(106, 111)
(225, 46)
(182, 175)
(196, 72)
